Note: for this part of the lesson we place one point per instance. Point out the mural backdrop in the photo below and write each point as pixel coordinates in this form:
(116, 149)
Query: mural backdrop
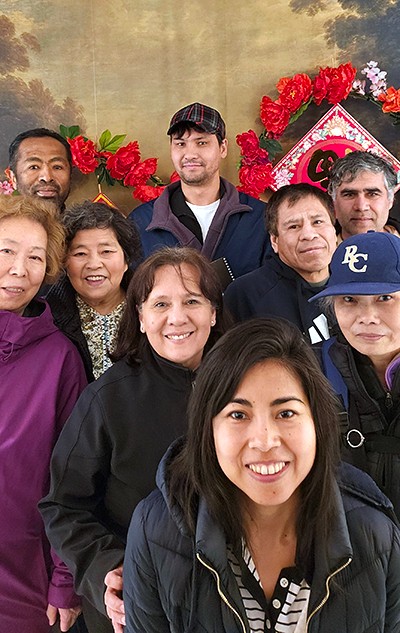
(130, 64)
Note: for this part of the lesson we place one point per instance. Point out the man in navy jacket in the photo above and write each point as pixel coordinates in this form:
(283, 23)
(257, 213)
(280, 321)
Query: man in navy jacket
(203, 210)
(301, 225)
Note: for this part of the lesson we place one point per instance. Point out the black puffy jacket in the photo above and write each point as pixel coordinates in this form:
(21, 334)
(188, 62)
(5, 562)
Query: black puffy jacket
(174, 583)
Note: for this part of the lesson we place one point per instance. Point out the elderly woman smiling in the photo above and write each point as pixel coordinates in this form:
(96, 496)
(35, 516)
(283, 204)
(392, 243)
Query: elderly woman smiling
(88, 303)
(41, 376)
(363, 361)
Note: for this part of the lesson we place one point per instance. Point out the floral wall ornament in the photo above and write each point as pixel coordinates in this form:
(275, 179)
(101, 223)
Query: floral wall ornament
(332, 137)
(295, 94)
(114, 163)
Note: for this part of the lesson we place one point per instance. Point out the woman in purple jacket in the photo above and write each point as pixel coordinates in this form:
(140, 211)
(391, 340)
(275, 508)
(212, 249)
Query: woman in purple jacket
(41, 376)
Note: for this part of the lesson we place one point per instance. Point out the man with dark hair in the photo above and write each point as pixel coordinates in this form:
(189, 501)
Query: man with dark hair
(203, 210)
(40, 165)
(362, 186)
(301, 225)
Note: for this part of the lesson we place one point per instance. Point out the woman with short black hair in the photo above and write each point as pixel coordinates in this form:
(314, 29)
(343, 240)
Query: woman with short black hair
(103, 248)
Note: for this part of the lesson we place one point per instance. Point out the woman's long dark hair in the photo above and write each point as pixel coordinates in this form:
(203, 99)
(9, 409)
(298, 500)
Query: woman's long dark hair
(195, 469)
(130, 341)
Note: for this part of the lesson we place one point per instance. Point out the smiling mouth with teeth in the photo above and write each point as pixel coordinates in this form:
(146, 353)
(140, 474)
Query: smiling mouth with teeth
(177, 337)
(267, 469)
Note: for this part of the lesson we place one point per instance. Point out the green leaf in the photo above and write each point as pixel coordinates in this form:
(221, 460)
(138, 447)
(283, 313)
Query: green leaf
(157, 180)
(114, 143)
(272, 146)
(63, 130)
(100, 173)
(110, 181)
(70, 132)
(299, 112)
(104, 139)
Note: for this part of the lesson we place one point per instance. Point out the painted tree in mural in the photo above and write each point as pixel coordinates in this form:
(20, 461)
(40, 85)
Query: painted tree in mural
(363, 30)
(366, 29)
(26, 104)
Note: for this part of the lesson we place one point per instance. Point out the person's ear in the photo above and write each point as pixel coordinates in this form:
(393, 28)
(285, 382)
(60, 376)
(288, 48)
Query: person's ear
(274, 243)
(224, 148)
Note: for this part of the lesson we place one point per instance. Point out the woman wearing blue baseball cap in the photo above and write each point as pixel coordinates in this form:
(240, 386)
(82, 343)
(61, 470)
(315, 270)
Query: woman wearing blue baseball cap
(363, 360)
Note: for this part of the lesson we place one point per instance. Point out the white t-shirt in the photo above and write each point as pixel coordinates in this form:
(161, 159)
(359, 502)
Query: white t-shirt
(204, 214)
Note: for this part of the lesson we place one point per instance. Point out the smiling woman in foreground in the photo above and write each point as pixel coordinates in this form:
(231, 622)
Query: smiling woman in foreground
(254, 527)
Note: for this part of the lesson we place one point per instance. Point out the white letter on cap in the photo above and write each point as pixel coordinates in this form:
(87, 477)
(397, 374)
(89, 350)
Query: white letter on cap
(351, 257)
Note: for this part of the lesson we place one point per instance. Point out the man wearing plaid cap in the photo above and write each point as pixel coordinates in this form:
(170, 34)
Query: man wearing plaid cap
(203, 210)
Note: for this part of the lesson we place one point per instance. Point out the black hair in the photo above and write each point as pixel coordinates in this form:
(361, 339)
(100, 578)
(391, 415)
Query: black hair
(130, 341)
(39, 132)
(96, 215)
(292, 194)
(185, 126)
(194, 471)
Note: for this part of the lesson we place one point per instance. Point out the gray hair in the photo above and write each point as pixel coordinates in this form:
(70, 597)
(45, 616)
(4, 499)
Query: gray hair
(327, 305)
(347, 169)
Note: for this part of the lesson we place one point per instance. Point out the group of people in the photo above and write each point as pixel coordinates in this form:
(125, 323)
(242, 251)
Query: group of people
(165, 470)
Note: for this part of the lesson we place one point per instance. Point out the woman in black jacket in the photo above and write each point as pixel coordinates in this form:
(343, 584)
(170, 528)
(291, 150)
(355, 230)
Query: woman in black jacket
(253, 527)
(105, 461)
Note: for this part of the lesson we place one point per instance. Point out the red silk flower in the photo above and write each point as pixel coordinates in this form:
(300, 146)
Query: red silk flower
(83, 154)
(274, 116)
(140, 173)
(120, 163)
(256, 179)
(390, 99)
(250, 147)
(294, 92)
(333, 84)
(145, 193)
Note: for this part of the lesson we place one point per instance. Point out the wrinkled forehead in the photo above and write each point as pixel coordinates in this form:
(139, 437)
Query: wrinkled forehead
(364, 179)
(45, 148)
(306, 207)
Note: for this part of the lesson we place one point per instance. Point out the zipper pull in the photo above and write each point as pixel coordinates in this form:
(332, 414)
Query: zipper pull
(388, 400)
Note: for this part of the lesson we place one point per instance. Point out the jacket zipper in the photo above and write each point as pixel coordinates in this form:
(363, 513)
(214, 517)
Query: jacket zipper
(388, 400)
(224, 598)
(327, 594)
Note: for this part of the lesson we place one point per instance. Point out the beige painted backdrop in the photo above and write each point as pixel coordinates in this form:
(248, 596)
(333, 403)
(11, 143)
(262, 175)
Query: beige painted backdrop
(129, 65)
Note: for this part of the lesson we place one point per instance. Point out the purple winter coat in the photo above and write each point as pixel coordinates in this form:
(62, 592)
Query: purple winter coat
(41, 377)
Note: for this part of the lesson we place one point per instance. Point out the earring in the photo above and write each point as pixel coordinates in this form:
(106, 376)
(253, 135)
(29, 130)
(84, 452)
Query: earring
(212, 323)
(141, 327)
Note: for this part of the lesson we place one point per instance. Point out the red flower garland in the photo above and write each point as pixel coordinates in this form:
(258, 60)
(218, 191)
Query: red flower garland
(295, 95)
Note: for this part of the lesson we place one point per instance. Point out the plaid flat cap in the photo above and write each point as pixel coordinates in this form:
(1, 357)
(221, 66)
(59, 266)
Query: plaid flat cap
(205, 117)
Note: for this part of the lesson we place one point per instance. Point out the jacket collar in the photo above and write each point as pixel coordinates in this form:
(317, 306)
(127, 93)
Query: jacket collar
(162, 218)
(17, 331)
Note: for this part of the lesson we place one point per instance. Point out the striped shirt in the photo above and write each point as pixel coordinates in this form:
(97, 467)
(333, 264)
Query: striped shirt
(286, 612)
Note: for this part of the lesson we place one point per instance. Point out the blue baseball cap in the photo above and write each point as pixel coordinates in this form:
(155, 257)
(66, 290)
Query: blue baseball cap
(364, 264)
